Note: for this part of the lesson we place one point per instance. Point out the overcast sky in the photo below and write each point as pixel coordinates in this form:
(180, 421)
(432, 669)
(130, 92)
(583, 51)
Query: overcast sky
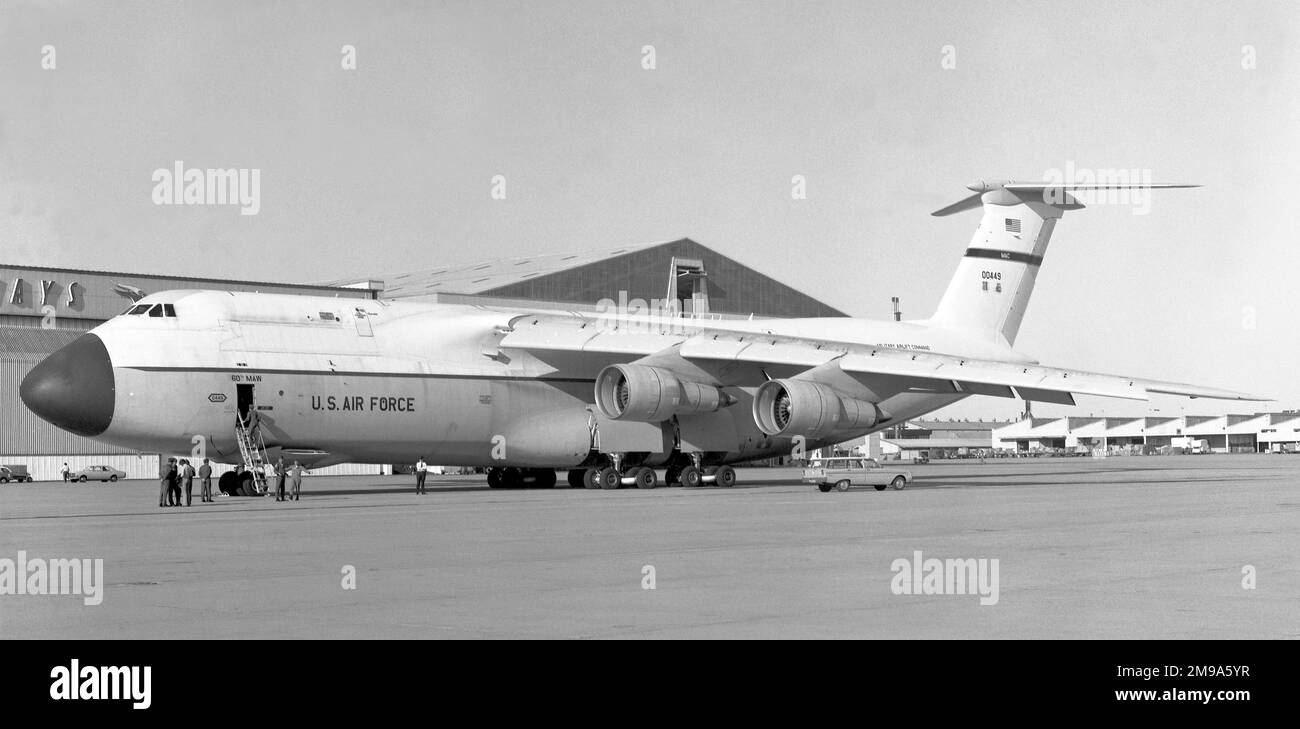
(389, 166)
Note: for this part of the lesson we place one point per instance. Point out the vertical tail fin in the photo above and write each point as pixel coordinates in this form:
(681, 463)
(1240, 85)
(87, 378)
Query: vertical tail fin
(990, 292)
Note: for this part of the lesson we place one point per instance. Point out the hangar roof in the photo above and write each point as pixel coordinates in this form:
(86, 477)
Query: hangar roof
(641, 271)
(486, 276)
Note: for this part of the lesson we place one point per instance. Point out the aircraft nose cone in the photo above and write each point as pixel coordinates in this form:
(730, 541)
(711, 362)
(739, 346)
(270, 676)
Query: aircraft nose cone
(73, 388)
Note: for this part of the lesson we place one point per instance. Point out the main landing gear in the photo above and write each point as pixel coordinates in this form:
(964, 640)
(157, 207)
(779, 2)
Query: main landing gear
(642, 477)
(614, 476)
(695, 474)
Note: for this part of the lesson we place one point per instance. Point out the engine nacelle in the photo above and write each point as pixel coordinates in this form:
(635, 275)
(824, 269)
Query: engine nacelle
(650, 394)
(810, 409)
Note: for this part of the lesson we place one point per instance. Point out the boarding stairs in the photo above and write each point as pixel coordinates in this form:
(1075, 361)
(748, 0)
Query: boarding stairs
(252, 449)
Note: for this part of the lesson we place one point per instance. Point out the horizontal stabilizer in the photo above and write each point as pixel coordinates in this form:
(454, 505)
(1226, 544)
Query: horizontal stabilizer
(964, 204)
(1012, 187)
(1030, 186)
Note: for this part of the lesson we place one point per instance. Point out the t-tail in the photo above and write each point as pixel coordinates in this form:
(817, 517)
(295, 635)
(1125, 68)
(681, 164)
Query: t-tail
(990, 291)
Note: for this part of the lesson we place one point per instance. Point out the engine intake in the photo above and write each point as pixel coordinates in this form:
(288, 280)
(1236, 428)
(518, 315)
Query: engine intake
(650, 394)
(810, 409)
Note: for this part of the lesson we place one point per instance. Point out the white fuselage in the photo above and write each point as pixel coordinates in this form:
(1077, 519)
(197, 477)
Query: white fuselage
(387, 382)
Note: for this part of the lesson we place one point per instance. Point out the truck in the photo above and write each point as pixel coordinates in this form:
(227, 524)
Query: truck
(14, 472)
(1190, 444)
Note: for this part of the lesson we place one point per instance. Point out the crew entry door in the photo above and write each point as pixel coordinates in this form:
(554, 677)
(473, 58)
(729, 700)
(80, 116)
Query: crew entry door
(244, 403)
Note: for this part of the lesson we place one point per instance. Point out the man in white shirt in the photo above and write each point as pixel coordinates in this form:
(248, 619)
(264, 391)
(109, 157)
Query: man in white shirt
(421, 470)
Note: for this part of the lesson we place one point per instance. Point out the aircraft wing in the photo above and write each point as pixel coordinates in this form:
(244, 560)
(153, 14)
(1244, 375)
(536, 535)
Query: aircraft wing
(581, 348)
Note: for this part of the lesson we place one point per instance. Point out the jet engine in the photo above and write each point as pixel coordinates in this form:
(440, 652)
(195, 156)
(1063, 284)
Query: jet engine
(650, 394)
(810, 409)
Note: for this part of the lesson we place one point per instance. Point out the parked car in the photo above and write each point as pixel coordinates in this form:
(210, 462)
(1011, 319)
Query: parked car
(16, 473)
(96, 473)
(844, 473)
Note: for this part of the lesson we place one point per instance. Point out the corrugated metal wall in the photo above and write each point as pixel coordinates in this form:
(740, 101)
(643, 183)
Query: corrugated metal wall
(21, 432)
(145, 466)
(734, 288)
(46, 468)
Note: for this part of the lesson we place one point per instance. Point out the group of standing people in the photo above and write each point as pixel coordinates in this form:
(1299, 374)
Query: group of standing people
(174, 475)
(294, 474)
(177, 476)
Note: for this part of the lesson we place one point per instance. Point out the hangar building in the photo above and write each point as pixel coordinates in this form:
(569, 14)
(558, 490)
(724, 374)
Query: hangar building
(1227, 433)
(680, 274)
(1277, 432)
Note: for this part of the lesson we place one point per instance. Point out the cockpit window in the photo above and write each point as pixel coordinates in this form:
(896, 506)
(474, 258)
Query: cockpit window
(158, 310)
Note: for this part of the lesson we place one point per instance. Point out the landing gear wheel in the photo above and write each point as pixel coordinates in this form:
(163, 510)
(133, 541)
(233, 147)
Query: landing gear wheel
(495, 479)
(591, 478)
(246, 484)
(646, 478)
(608, 478)
(578, 478)
(691, 477)
(898, 483)
(725, 477)
(544, 478)
(825, 488)
(843, 485)
(228, 483)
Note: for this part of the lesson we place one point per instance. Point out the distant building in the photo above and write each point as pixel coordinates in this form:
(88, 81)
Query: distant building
(681, 275)
(1229, 433)
(942, 438)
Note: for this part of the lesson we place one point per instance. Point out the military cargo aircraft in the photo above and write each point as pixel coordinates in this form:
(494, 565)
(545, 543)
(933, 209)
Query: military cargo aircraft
(608, 396)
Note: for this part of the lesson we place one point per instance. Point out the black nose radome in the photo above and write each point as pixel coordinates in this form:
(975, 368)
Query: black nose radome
(73, 388)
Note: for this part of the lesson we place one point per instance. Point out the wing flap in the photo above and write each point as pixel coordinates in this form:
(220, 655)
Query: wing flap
(1052, 396)
(1031, 382)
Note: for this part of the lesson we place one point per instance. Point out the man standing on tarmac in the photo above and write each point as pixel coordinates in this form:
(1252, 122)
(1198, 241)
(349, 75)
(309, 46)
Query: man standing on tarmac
(295, 480)
(187, 478)
(205, 481)
(174, 492)
(421, 470)
(279, 479)
(165, 476)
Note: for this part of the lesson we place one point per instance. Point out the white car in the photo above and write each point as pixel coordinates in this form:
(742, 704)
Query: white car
(844, 473)
(97, 473)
